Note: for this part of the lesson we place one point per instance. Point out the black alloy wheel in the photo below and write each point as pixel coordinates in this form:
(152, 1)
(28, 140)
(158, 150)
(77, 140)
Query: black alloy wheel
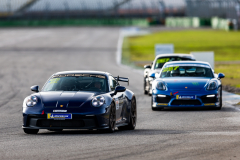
(112, 119)
(144, 86)
(149, 89)
(132, 118)
(219, 98)
(30, 131)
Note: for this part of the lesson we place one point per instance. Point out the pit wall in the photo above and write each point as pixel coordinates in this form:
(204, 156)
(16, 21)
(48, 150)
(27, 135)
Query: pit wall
(75, 22)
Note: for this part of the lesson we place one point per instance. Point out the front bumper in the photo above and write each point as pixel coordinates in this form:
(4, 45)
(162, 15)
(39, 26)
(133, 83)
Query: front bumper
(36, 121)
(171, 101)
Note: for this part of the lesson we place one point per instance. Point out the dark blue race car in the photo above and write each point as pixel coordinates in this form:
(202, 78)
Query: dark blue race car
(80, 100)
(187, 84)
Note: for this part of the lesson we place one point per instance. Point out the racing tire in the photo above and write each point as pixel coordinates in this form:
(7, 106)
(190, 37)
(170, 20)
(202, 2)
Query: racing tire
(112, 120)
(144, 86)
(220, 100)
(133, 117)
(30, 131)
(145, 92)
(56, 130)
(149, 93)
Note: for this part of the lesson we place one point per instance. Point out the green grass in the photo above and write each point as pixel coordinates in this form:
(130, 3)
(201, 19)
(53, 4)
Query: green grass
(232, 73)
(226, 46)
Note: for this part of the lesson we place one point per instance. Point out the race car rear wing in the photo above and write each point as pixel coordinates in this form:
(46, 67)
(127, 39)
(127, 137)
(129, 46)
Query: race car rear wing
(122, 79)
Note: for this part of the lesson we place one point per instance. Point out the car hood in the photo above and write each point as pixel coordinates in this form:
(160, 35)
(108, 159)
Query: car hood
(186, 84)
(65, 99)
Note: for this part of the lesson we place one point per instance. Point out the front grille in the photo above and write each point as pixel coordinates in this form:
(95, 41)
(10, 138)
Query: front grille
(208, 99)
(163, 99)
(186, 102)
(60, 123)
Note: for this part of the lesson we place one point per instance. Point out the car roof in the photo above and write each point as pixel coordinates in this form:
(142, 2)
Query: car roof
(188, 62)
(176, 55)
(82, 72)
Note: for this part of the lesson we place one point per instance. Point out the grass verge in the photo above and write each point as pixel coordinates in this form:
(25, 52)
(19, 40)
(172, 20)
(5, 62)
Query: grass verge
(226, 46)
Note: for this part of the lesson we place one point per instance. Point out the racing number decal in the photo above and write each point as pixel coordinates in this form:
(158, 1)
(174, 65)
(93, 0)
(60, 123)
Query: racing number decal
(163, 60)
(55, 80)
(170, 68)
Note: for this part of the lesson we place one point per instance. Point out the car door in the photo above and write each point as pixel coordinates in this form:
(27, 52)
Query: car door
(118, 98)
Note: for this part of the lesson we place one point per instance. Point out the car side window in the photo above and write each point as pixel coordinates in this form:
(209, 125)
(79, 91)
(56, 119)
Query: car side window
(113, 83)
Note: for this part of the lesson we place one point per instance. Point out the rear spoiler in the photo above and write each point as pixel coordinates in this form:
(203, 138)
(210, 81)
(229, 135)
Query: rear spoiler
(122, 79)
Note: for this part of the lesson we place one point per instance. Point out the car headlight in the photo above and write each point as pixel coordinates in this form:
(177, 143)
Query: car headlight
(160, 86)
(212, 86)
(31, 101)
(98, 101)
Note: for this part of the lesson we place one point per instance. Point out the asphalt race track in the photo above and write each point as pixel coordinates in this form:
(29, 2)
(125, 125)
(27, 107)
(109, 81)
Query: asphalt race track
(29, 56)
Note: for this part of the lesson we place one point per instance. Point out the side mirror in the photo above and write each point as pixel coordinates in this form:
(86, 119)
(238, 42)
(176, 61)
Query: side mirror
(147, 66)
(152, 75)
(221, 75)
(35, 88)
(119, 89)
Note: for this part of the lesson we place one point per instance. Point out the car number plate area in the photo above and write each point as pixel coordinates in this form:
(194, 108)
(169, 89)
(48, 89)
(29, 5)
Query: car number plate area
(186, 97)
(59, 116)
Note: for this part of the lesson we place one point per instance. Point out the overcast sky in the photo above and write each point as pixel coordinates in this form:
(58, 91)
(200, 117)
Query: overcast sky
(6, 5)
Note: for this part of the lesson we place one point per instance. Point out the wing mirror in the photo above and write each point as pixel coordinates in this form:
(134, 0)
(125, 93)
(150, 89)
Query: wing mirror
(221, 75)
(35, 88)
(147, 66)
(152, 75)
(119, 89)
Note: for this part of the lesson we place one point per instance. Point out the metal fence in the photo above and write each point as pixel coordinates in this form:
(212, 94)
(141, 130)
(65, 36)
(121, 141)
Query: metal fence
(89, 8)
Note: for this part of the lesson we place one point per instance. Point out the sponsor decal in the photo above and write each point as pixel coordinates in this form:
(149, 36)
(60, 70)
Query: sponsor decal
(175, 93)
(163, 60)
(59, 110)
(80, 75)
(186, 97)
(209, 104)
(162, 104)
(170, 68)
(195, 83)
(117, 103)
(54, 80)
(191, 65)
(61, 116)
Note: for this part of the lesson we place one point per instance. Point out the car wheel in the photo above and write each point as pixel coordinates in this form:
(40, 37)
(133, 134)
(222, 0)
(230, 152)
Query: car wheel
(56, 130)
(133, 117)
(220, 99)
(112, 119)
(144, 86)
(30, 131)
(149, 90)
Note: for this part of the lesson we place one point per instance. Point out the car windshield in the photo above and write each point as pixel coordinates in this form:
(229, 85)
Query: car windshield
(187, 71)
(161, 61)
(77, 82)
